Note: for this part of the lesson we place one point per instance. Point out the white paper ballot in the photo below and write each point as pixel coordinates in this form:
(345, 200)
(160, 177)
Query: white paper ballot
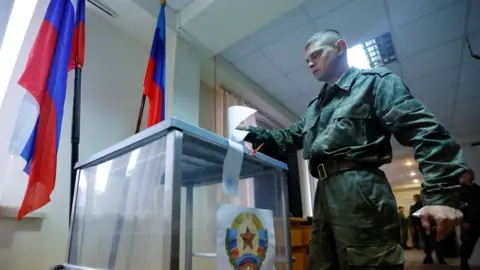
(245, 238)
(419, 211)
(231, 168)
(236, 115)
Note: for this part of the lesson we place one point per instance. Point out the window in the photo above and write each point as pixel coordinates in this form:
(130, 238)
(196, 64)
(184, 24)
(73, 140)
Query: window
(380, 50)
(372, 53)
(16, 27)
(357, 57)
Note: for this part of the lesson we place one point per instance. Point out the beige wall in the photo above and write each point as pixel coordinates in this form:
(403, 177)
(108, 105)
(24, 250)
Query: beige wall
(206, 117)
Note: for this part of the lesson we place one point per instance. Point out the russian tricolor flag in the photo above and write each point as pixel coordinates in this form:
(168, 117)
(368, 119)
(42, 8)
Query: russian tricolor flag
(154, 85)
(59, 47)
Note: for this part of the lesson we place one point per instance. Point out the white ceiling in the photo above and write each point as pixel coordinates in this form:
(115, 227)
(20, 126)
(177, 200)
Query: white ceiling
(177, 5)
(429, 39)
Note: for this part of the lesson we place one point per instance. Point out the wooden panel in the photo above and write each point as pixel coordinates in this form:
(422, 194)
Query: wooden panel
(300, 237)
(297, 237)
(300, 261)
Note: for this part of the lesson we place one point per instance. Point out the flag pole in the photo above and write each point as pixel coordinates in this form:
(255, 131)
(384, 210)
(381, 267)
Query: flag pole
(140, 114)
(75, 135)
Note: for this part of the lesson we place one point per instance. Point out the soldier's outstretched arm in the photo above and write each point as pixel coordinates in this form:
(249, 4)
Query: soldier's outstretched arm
(439, 156)
(284, 140)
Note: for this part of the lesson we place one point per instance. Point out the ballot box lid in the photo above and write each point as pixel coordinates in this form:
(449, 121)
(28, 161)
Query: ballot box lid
(160, 130)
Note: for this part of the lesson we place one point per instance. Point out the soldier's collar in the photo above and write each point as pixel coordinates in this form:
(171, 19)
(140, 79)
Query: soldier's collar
(345, 82)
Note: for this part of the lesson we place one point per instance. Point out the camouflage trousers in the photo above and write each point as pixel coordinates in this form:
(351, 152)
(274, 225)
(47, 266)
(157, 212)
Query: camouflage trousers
(355, 223)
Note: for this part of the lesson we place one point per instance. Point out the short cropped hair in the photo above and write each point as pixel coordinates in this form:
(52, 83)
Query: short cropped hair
(328, 36)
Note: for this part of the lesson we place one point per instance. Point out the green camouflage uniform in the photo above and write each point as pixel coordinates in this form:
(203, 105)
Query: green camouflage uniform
(355, 219)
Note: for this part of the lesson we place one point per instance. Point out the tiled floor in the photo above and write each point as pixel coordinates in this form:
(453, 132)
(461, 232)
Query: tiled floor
(414, 259)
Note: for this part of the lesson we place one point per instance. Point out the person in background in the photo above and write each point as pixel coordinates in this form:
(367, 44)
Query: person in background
(403, 226)
(345, 134)
(415, 222)
(470, 226)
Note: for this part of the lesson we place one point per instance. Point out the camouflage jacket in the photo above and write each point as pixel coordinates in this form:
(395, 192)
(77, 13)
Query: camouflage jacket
(354, 120)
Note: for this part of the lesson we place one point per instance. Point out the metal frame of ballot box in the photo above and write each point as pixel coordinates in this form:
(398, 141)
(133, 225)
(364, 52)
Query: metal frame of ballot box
(173, 130)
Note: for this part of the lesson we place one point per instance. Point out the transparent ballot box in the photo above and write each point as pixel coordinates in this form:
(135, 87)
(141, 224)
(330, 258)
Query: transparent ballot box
(156, 201)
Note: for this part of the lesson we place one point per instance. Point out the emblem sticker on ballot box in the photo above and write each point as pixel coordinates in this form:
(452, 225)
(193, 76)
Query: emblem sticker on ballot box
(245, 238)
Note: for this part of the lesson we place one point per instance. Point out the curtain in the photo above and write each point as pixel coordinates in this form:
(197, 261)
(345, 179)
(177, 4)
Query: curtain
(222, 101)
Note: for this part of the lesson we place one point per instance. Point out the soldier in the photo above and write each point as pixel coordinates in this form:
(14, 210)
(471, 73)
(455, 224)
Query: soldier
(345, 134)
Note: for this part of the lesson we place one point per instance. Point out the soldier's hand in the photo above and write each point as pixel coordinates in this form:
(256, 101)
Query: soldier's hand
(445, 217)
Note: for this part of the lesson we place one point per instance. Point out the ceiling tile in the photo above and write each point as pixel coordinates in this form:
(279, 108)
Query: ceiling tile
(369, 23)
(445, 119)
(281, 88)
(475, 44)
(432, 61)
(469, 73)
(395, 68)
(317, 8)
(438, 98)
(465, 130)
(474, 19)
(304, 79)
(280, 26)
(433, 83)
(466, 107)
(441, 109)
(239, 50)
(257, 67)
(288, 52)
(177, 5)
(425, 32)
(467, 92)
(299, 105)
(402, 12)
(465, 118)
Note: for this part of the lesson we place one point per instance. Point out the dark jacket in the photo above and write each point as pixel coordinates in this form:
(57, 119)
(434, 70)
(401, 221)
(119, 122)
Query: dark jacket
(471, 196)
(415, 221)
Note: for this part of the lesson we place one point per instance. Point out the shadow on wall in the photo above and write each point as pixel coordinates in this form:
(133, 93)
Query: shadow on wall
(13, 226)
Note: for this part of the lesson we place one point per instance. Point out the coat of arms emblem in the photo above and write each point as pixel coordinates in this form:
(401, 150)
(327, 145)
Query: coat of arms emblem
(246, 242)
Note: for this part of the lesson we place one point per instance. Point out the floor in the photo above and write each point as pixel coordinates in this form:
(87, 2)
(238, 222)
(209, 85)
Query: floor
(414, 259)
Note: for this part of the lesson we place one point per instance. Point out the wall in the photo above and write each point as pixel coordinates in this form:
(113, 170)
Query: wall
(206, 115)
(111, 90)
(5, 10)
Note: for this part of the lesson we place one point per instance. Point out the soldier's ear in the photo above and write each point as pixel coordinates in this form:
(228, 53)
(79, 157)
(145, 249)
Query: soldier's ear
(341, 46)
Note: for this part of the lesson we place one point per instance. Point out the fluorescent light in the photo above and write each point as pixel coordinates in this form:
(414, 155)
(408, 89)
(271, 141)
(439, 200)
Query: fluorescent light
(18, 23)
(408, 163)
(412, 174)
(415, 181)
(357, 57)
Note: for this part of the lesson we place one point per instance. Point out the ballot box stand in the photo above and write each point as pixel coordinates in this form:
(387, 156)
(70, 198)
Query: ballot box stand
(150, 201)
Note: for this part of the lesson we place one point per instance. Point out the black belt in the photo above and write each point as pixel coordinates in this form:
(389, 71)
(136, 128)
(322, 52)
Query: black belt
(330, 168)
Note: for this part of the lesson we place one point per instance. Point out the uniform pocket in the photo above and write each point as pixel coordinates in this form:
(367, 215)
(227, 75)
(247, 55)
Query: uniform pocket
(348, 126)
(352, 111)
(390, 254)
